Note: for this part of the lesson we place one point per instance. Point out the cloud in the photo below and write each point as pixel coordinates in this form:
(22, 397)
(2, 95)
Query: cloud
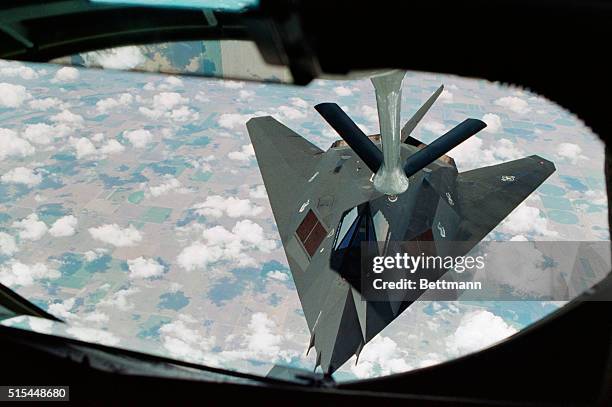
(258, 192)
(278, 275)
(246, 153)
(12, 95)
(217, 206)
(144, 268)
(139, 138)
(93, 335)
(8, 246)
(232, 84)
(246, 95)
(15, 273)
(69, 119)
(12, 145)
(113, 234)
(263, 340)
(42, 133)
(170, 105)
(446, 96)
(115, 58)
(170, 184)
(233, 120)
(112, 147)
(370, 113)
(343, 91)
(66, 74)
(472, 154)
(22, 175)
(221, 244)
(527, 220)
(13, 69)
(107, 104)
(290, 113)
(381, 356)
(571, 152)
(513, 103)
(120, 299)
(94, 254)
(435, 127)
(476, 330)
(64, 226)
(493, 122)
(84, 147)
(183, 339)
(31, 228)
(299, 102)
(46, 104)
(169, 83)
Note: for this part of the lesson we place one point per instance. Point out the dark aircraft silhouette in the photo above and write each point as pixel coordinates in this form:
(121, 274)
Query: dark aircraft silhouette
(325, 205)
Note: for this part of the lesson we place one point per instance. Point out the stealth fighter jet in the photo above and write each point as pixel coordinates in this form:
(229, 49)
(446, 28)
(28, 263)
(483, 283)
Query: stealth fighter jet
(327, 203)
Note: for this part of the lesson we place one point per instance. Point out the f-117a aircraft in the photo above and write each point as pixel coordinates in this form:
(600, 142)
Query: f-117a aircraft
(326, 203)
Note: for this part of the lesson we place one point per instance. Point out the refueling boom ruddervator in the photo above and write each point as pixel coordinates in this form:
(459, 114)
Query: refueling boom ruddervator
(326, 203)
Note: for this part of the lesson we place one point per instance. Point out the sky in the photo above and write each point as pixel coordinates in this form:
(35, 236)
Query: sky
(132, 207)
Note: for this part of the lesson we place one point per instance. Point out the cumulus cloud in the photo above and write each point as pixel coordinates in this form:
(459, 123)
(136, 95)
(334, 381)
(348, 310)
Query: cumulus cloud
(139, 138)
(64, 226)
(343, 91)
(571, 152)
(66, 74)
(278, 275)
(258, 192)
(14, 69)
(94, 254)
(232, 84)
(169, 83)
(493, 122)
(83, 147)
(246, 153)
(115, 58)
(12, 95)
(11, 145)
(370, 113)
(15, 273)
(476, 330)
(435, 127)
(221, 244)
(527, 220)
(68, 118)
(112, 147)
(236, 120)
(144, 268)
(183, 339)
(115, 235)
(446, 96)
(93, 335)
(121, 299)
(472, 154)
(43, 133)
(22, 175)
(217, 206)
(30, 228)
(245, 95)
(107, 104)
(46, 104)
(380, 357)
(169, 184)
(514, 104)
(8, 246)
(170, 105)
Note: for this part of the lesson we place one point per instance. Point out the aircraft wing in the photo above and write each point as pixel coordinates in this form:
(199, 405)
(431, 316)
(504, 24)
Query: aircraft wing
(285, 160)
(487, 195)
